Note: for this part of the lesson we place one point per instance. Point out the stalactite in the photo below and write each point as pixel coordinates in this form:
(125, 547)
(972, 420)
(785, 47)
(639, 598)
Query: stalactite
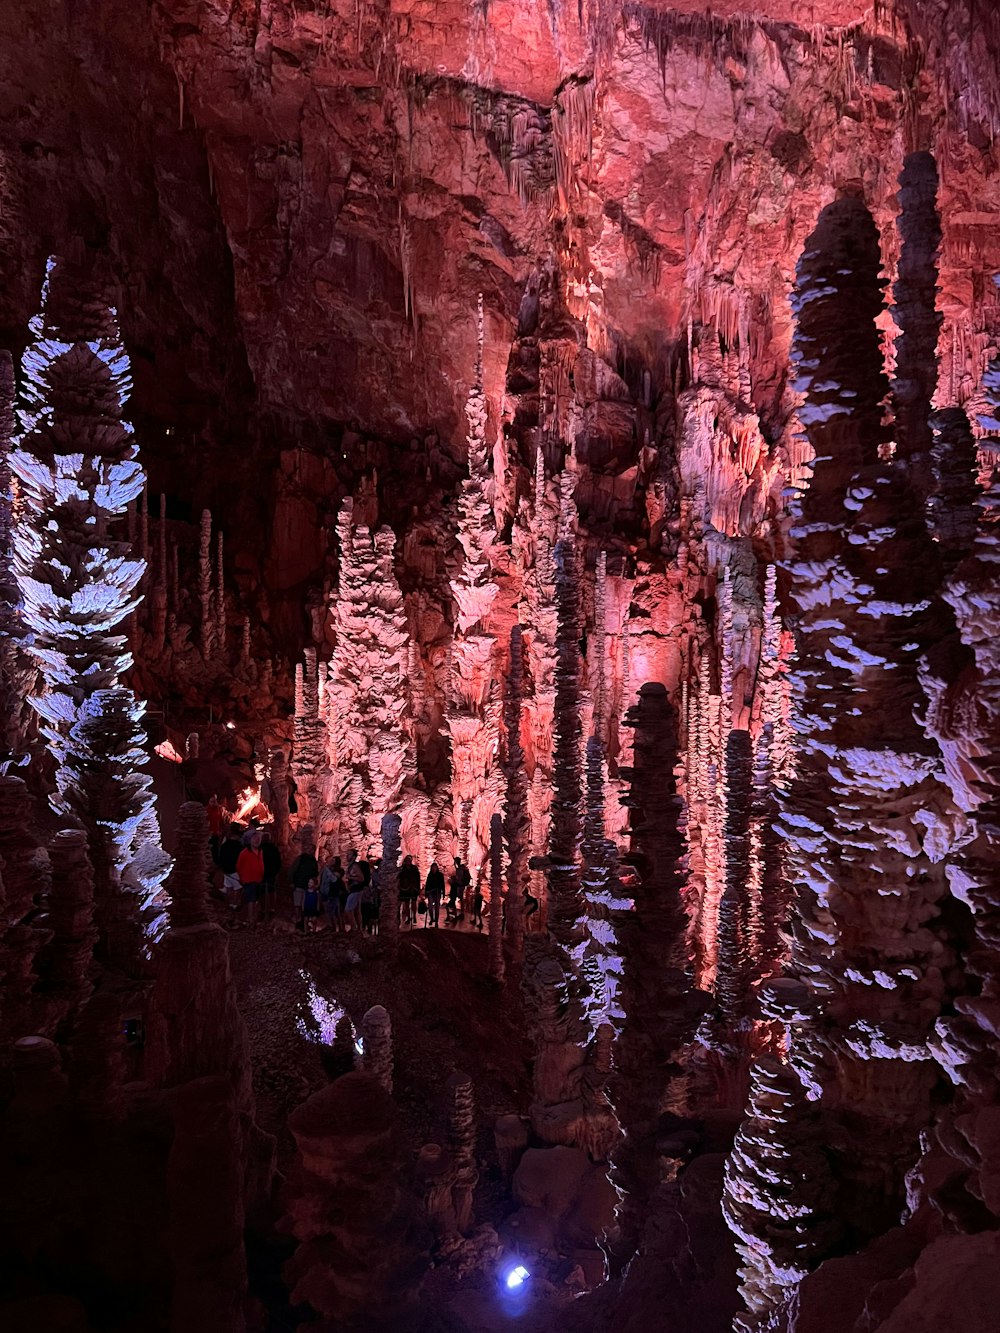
(661, 1006)
(376, 1039)
(207, 627)
(388, 880)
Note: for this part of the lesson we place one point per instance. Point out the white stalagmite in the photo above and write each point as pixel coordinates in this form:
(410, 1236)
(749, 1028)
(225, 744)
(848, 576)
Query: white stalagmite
(474, 700)
(368, 748)
(76, 462)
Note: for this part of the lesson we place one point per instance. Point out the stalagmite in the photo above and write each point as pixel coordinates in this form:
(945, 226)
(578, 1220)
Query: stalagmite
(71, 913)
(864, 578)
(17, 671)
(517, 822)
(376, 1037)
(661, 1006)
(207, 626)
(496, 898)
(462, 1144)
(78, 585)
(368, 754)
(219, 608)
(564, 837)
(474, 704)
(736, 927)
(388, 880)
(189, 877)
(780, 1226)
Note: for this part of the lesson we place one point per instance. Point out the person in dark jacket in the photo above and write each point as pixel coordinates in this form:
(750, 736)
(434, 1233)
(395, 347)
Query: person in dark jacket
(305, 873)
(272, 869)
(409, 891)
(434, 889)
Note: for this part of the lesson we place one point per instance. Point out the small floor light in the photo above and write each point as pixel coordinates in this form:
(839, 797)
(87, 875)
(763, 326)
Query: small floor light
(517, 1277)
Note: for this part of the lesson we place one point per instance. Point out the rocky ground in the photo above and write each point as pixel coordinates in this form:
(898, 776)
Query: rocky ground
(447, 1014)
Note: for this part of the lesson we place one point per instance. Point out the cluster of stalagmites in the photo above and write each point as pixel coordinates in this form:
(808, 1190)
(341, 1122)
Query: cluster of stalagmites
(889, 818)
(92, 946)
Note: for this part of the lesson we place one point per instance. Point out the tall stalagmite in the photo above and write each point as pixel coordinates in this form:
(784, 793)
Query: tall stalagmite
(474, 700)
(76, 462)
(660, 1003)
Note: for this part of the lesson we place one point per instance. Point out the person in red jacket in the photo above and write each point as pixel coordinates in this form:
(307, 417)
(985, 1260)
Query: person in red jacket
(250, 871)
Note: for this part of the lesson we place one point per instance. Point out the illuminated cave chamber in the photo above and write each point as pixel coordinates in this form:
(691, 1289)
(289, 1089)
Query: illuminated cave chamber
(557, 437)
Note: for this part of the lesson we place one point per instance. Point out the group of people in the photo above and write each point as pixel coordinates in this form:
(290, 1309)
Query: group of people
(347, 897)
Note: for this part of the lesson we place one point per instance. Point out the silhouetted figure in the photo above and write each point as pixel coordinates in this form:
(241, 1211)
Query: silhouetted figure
(305, 871)
(434, 889)
(272, 869)
(356, 880)
(477, 906)
(215, 813)
(409, 891)
(530, 908)
(250, 871)
(458, 883)
(333, 893)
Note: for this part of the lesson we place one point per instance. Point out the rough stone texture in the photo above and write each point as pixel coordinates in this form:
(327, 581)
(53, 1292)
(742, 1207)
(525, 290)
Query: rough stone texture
(359, 1240)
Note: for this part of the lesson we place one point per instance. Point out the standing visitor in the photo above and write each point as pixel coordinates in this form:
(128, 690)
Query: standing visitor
(332, 894)
(458, 882)
(371, 900)
(477, 904)
(229, 854)
(409, 891)
(215, 812)
(355, 887)
(305, 871)
(250, 872)
(272, 869)
(434, 890)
